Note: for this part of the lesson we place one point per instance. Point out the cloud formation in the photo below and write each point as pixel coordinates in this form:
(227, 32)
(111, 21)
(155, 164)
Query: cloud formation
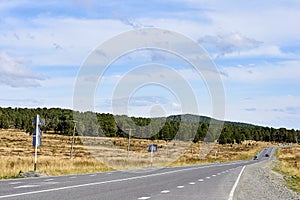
(229, 43)
(15, 74)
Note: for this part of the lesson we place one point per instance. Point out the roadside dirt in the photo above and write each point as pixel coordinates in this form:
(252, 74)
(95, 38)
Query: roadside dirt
(260, 182)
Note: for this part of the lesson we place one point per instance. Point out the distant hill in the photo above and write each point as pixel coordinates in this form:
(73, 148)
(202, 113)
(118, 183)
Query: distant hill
(182, 127)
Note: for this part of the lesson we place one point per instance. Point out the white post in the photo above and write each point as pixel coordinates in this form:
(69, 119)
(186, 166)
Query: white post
(216, 155)
(71, 152)
(128, 148)
(36, 140)
(129, 135)
(151, 159)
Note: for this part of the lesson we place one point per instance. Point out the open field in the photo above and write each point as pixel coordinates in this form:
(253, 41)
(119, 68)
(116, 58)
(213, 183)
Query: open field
(289, 165)
(103, 154)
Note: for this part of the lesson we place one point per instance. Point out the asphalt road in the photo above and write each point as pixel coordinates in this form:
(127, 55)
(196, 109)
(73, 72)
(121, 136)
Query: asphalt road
(214, 181)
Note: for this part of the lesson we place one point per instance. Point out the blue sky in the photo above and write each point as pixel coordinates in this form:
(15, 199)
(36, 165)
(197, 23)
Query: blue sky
(255, 46)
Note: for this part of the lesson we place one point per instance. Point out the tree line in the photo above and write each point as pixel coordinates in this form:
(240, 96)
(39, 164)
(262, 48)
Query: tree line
(180, 127)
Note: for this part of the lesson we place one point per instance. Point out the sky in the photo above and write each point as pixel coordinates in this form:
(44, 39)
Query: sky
(254, 45)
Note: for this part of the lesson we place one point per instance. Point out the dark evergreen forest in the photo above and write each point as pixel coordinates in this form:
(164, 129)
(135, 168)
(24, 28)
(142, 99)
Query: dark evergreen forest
(181, 127)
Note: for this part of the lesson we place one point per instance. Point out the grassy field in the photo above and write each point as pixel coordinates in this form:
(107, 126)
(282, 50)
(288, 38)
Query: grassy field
(289, 165)
(105, 154)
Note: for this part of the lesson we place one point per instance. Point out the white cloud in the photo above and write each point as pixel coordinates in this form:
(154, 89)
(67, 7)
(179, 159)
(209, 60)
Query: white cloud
(229, 43)
(270, 51)
(272, 22)
(57, 41)
(15, 74)
(279, 111)
(273, 72)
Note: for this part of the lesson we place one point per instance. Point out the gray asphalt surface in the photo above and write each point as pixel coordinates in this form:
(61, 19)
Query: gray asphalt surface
(214, 181)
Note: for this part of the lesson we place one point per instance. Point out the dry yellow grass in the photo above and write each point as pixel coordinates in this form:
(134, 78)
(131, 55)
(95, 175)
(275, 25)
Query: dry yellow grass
(16, 153)
(225, 153)
(289, 165)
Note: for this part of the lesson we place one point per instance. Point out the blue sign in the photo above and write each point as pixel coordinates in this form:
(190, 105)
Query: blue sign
(37, 120)
(39, 142)
(152, 147)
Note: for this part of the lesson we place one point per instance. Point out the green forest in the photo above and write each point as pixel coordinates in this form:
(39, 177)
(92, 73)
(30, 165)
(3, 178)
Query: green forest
(179, 127)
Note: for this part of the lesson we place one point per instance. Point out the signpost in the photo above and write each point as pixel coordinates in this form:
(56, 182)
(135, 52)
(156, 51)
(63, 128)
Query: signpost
(71, 151)
(36, 138)
(152, 148)
(129, 135)
(216, 155)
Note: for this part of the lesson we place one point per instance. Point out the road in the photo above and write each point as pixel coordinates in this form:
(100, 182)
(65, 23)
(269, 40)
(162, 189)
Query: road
(213, 181)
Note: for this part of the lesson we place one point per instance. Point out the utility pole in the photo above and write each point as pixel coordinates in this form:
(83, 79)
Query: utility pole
(71, 151)
(129, 135)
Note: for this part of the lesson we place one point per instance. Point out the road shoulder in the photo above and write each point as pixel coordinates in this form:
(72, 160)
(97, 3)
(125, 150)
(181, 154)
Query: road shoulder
(260, 182)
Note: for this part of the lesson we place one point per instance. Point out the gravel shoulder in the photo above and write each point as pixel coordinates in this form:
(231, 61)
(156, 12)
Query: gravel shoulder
(260, 182)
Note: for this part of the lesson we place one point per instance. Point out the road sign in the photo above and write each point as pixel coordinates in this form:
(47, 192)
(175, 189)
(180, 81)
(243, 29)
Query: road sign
(37, 120)
(152, 147)
(39, 141)
(36, 138)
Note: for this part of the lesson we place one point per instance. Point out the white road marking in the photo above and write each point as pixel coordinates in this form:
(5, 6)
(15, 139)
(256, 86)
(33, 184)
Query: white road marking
(93, 175)
(14, 183)
(165, 191)
(104, 182)
(26, 186)
(50, 179)
(73, 177)
(208, 177)
(49, 183)
(200, 180)
(218, 173)
(180, 186)
(192, 183)
(142, 198)
(214, 175)
(235, 184)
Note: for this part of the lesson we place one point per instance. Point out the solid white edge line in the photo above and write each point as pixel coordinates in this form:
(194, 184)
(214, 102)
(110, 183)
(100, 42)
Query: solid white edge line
(235, 184)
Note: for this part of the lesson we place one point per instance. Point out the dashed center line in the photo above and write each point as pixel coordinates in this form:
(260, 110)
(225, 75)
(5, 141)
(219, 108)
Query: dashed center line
(214, 175)
(26, 186)
(73, 177)
(14, 183)
(192, 183)
(142, 198)
(180, 186)
(208, 177)
(49, 183)
(200, 180)
(165, 191)
(50, 179)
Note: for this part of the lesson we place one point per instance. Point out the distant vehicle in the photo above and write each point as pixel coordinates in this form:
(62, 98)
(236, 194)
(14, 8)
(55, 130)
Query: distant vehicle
(255, 158)
(266, 155)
